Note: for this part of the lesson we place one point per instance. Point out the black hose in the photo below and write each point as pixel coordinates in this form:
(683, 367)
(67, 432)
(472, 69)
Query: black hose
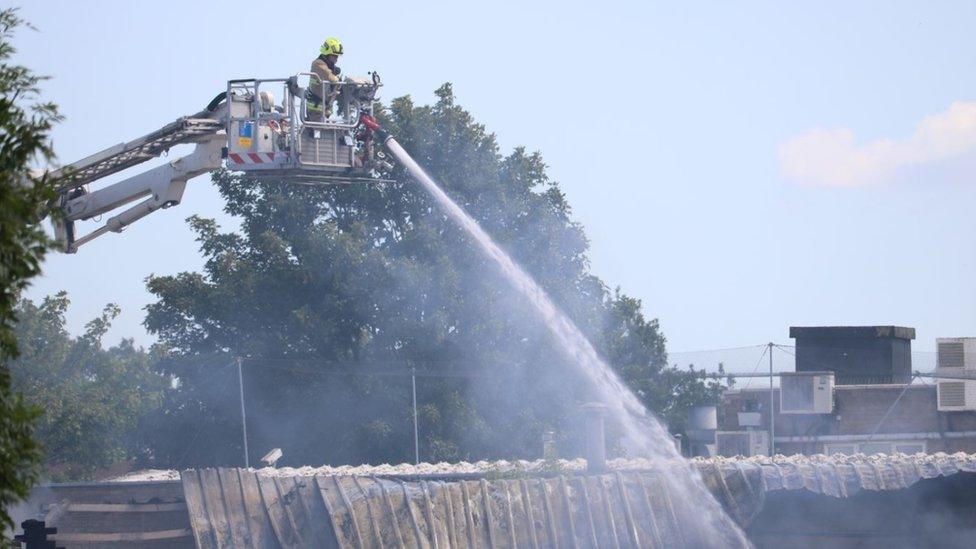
(216, 101)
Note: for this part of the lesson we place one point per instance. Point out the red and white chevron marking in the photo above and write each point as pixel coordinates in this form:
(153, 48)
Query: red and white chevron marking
(250, 158)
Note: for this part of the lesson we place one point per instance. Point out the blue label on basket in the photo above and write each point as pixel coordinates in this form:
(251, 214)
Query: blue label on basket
(246, 129)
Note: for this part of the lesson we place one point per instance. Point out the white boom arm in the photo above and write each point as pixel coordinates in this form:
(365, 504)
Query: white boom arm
(161, 187)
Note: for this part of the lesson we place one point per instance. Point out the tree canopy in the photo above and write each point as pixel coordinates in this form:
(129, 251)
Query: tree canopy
(93, 399)
(332, 294)
(25, 122)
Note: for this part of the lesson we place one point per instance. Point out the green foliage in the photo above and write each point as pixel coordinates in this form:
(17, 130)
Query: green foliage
(24, 126)
(93, 398)
(631, 345)
(324, 280)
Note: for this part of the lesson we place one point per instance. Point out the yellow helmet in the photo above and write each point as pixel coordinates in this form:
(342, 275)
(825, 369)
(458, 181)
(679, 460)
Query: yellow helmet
(332, 46)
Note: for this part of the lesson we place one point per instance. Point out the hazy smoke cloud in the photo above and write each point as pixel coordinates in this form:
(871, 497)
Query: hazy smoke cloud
(834, 158)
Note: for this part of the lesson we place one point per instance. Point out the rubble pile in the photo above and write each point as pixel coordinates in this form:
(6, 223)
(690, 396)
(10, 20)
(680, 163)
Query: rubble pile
(935, 464)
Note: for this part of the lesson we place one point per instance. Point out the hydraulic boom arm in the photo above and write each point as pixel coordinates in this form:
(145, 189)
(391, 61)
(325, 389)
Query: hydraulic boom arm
(161, 187)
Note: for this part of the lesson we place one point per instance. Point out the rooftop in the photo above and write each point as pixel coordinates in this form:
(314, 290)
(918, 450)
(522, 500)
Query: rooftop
(852, 332)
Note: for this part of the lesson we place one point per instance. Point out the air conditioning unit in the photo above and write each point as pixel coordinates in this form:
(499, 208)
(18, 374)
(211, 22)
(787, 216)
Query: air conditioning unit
(806, 393)
(750, 419)
(956, 353)
(956, 356)
(741, 443)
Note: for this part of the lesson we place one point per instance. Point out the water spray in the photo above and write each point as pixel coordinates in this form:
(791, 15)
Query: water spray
(643, 433)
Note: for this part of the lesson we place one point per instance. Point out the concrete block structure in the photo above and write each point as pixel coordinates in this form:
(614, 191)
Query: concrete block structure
(874, 408)
(856, 354)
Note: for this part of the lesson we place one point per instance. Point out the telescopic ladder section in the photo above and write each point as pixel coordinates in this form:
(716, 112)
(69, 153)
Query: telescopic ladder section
(188, 129)
(160, 187)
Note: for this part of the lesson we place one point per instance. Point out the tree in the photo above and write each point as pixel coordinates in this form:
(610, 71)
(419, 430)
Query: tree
(24, 126)
(631, 344)
(373, 279)
(93, 398)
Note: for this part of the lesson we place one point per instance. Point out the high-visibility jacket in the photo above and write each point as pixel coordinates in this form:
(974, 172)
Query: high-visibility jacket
(321, 73)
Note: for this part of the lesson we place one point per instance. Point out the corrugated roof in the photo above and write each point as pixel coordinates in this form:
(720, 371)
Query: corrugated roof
(842, 476)
(626, 508)
(633, 509)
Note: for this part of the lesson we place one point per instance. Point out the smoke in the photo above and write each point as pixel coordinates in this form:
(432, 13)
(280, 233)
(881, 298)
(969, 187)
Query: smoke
(499, 382)
(935, 512)
(34, 507)
(644, 433)
(325, 413)
(834, 158)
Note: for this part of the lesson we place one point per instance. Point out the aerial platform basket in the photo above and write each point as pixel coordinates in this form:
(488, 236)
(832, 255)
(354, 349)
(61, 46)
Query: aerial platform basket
(293, 140)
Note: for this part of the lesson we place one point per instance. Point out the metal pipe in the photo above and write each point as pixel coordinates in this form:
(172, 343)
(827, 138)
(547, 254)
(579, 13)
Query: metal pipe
(933, 375)
(240, 384)
(549, 445)
(416, 430)
(772, 406)
(890, 409)
(595, 449)
(883, 436)
(940, 375)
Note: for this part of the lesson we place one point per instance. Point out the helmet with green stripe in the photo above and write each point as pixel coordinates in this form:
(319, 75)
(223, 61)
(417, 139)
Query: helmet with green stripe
(331, 46)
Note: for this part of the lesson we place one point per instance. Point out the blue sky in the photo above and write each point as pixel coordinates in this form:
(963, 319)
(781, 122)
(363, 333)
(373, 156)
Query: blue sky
(740, 167)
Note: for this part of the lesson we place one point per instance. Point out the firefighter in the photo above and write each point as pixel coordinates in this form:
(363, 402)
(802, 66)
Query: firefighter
(321, 93)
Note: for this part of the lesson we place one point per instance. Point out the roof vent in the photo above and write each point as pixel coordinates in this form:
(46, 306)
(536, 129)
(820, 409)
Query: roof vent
(952, 395)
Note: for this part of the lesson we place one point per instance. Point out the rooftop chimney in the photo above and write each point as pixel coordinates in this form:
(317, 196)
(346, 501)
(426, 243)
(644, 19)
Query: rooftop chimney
(856, 354)
(594, 437)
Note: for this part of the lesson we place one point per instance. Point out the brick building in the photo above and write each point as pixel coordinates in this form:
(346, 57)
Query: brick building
(913, 425)
(833, 406)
